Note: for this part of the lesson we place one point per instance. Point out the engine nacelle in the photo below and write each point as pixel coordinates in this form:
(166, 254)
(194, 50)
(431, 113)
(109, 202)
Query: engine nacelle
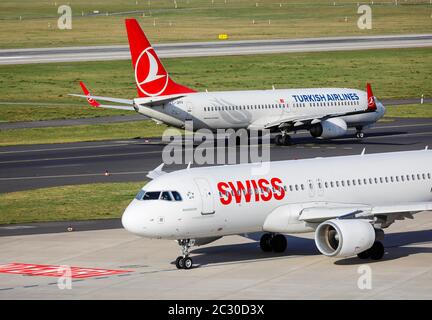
(344, 238)
(330, 128)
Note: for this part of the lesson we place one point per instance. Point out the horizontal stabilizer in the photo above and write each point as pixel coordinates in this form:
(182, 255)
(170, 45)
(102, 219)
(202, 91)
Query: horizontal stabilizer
(117, 100)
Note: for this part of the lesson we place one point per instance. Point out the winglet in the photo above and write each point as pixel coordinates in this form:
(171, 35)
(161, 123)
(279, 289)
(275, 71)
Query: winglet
(157, 172)
(370, 98)
(91, 101)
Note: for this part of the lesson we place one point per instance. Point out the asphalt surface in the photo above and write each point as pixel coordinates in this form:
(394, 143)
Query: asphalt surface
(139, 117)
(233, 267)
(196, 49)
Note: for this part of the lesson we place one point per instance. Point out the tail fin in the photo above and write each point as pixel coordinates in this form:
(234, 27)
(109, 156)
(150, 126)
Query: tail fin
(150, 75)
(370, 98)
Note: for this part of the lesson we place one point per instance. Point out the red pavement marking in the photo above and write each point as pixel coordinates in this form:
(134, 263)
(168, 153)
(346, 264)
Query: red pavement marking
(57, 271)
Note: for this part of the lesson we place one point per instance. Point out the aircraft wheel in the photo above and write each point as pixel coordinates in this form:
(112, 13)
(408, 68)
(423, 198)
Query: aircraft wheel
(278, 140)
(180, 262)
(377, 251)
(360, 135)
(279, 243)
(188, 263)
(364, 255)
(286, 140)
(266, 242)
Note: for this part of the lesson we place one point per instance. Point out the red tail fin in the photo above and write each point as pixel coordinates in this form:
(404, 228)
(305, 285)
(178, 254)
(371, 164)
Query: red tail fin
(150, 75)
(370, 98)
(91, 101)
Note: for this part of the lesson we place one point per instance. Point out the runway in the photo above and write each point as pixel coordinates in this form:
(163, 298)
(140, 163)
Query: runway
(233, 267)
(221, 48)
(37, 166)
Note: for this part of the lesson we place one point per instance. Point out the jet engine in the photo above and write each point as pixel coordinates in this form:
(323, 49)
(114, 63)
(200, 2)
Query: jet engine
(330, 128)
(344, 238)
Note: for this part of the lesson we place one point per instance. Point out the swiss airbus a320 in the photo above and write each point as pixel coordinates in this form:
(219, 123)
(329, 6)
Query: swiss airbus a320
(347, 201)
(324, 112)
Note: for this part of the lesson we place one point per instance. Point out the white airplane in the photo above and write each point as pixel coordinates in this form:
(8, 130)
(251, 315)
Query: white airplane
(324, 112)
(346, 201)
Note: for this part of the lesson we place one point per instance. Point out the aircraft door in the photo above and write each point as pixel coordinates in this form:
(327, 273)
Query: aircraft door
(189, 110)
(320, 187)
(311, 188)
(206, 195)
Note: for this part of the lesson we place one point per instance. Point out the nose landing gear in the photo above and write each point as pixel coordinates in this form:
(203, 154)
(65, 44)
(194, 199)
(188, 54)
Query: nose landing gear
(184, 261)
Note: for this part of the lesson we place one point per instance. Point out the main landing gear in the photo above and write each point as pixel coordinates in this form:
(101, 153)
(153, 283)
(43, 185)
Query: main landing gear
(184, 261)
(376, 252)
(273, 242)
(359, 133)
(282, 139)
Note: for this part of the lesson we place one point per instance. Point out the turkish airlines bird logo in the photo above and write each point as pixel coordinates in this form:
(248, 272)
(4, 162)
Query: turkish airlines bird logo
(150, 76)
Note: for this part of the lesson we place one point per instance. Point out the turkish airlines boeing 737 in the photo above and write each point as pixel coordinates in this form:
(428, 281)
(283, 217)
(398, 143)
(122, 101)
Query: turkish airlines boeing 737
(324, 112)
(346, 201)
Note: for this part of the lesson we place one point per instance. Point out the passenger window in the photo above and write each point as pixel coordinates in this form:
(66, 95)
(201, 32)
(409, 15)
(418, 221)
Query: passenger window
(153, 195)
(166, 196)
(140, 195)
(429, 175)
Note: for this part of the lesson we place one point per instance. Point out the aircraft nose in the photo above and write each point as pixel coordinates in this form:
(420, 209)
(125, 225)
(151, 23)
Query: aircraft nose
(131, 219)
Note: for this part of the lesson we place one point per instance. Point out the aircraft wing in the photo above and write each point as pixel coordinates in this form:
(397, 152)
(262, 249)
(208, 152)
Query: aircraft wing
(386, 213)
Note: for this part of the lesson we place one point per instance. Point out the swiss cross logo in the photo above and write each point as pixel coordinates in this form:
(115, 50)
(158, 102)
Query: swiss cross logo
(56, 271)
(150, 76)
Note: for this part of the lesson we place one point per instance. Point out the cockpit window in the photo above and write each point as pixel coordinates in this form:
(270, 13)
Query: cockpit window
(152, 195)
(176, 196)
(166, 196)
(140, 195)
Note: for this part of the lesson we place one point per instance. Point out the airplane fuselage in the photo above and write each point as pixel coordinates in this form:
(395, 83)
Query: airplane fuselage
(224, 200)
(256, 109)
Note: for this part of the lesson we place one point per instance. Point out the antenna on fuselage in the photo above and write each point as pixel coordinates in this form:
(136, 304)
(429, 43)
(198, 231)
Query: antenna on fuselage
(363, 152)
(426, 148)
(189, 164)
(273, 87)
